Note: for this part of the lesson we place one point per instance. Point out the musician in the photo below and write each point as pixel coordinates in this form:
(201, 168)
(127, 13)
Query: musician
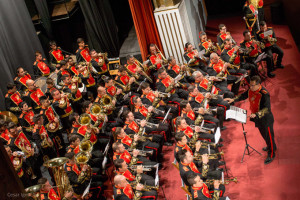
(270, 44)
(40, 68)
(83, 52)
(26, 119)
(122, 169)
(123, 80)
(62, 71)
(123, 190)
(223, 35)
(164, 83)
(101, 92)
(42, 139)
(32, 96)
(201, 190)
(132, 127)
(62, 107)
(251, 17)
(48, 193)
(4, 133)
(50, 87)
(13, 99)
(261, 114)
(191, 56)
(53, 125)
(205, 85)
(87, 78)
(71, 66)
(139, 142)
(70, 86)
(99, 62)
(74, 140)
(198, 100)
(121, 153)
(148, 96)
(155, 58)
(56, 53)
(21, 78)
(174, 70)
(218, 68)
(19, 142)
(187, 167)
(182, 126)
(134, 67)
(234, 55)
(17, 160)
(254, 49)
(80, 175)
(206, 45)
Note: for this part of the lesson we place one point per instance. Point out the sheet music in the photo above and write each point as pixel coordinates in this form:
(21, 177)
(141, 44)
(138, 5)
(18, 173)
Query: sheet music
(267, 33)
(227, 198)
(156, 175)
(87, 189)
(261, 57)
(237, 114)
(217, 135)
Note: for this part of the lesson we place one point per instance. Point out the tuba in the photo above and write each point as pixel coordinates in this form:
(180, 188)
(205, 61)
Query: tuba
(60, 176)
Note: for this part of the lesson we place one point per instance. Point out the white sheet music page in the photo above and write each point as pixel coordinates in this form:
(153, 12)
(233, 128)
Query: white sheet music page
(237, 114)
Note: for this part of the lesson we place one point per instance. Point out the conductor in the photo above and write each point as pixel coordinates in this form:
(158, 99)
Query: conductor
(261, 114)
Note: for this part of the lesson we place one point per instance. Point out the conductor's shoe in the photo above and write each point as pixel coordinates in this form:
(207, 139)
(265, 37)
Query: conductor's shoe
(265, 149)
(223, 128)
(221, 163)
(269, 160)
(219, 145)
(280, 66)
(271, 75)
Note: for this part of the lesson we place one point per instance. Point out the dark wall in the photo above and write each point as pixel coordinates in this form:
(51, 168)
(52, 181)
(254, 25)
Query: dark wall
(223, 7)
(292, 16)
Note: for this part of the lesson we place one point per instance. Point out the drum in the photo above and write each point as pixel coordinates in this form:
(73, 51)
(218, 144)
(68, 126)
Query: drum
(41, 83)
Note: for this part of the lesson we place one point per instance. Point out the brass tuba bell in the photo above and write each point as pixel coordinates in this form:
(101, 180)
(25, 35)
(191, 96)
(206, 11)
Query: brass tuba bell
(85, 119)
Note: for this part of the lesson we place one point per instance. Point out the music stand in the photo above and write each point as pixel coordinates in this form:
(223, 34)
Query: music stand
(240, 115)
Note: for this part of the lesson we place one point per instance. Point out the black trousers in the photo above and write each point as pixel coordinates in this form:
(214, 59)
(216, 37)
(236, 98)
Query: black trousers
(274, 49)
(267, 132)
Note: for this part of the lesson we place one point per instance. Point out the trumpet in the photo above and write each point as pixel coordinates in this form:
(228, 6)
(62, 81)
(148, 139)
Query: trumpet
(163, 95)
(226, 181)
(210, 156)
(206, 111)
(141, 152)
(146, 168)
(125, 88)
(203, 129)
(148, 124)
(155, 110)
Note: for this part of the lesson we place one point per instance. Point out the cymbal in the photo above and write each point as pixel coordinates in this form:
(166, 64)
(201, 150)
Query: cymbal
(8, 116)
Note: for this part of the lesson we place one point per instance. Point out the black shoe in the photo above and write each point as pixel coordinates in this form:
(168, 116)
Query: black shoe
(220, 169)
(265, 149)
(280, 66)
(168, 144)
(271, 75)
(269, 160)
(223, 128)
(221, 163)
(221, 140)
(219, 145)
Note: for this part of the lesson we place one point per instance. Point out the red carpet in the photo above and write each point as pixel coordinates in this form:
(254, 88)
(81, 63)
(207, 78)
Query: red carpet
(280, 179)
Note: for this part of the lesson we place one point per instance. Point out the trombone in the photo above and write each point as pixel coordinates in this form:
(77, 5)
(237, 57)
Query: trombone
(165, 61)
(143, 71)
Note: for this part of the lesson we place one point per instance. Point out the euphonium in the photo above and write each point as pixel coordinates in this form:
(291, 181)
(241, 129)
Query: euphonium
(82, 158)
(106, 103)
(60, 176)
(210, 156)
(85, 119)
(86, 146)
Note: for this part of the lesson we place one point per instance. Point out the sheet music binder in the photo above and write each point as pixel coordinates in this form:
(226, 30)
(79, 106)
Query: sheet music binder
(237, 114)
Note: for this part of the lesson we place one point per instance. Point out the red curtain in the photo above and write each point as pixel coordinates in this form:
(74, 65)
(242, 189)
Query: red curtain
(145, 26)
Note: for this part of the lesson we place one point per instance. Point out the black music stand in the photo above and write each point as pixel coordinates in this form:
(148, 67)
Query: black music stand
(247, 146)
(240, 115)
